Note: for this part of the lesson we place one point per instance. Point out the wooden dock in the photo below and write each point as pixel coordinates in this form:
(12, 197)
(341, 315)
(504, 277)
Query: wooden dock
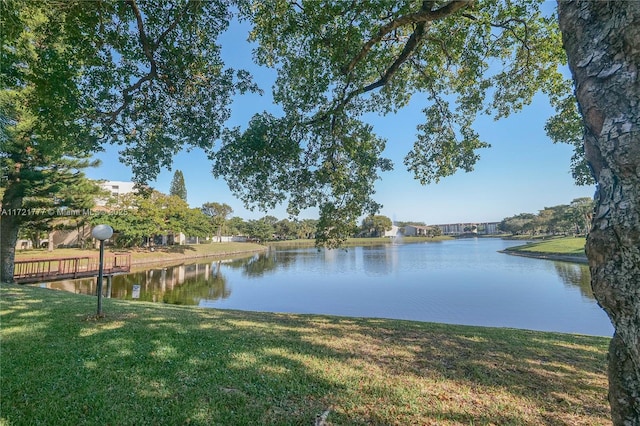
(35, 270)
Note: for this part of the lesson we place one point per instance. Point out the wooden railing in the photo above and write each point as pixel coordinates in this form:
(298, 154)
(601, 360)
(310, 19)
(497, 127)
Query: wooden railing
(34, 270)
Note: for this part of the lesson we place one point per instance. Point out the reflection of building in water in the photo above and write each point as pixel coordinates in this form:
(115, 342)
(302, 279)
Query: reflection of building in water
(176, 275)
(379, 260)
(179, 284)
(73, 286)
(154, 283)
(342, 259)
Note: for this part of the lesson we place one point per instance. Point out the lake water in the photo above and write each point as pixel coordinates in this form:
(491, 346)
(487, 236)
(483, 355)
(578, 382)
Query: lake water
(463, 281)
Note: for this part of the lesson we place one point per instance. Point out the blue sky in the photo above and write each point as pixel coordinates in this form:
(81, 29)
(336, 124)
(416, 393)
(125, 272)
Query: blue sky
(523, 171)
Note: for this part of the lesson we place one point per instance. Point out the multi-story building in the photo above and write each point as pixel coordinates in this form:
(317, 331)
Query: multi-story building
(116, 189)
(484, 228)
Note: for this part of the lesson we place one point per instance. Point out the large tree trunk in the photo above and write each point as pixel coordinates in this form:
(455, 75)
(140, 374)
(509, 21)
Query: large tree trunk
(602, 40)
(9, 226)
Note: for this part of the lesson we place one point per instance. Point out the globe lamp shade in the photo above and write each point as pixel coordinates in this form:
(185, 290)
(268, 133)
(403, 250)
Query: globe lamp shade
(102, 232)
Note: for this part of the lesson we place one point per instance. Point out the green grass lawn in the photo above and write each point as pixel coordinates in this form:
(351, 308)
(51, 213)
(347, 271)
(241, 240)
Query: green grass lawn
(170, 365)
(573, 246)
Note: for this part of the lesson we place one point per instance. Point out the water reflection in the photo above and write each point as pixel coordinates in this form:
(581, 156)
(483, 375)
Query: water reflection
(379, 260)
(211, 286)
(188, 284)
(182, 284)
(260, 264)
(179, 284)
(576, 275)
(459, 282)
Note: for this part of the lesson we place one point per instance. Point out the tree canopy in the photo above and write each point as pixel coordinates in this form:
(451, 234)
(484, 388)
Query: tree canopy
(137, 218)
(460, 58)
(376, 225)
(141, 75)
(218, 213)
(148, 77)
(574, 218)
(145, 76)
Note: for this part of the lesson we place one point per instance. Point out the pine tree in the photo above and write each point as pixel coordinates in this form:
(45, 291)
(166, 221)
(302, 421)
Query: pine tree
(178, 187)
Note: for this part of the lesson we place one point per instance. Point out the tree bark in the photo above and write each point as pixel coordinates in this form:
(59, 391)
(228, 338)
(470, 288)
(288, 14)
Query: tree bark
(602, 41)
(9, 226)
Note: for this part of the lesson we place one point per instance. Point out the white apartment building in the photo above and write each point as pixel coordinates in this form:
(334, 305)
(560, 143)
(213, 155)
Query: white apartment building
(116, 188)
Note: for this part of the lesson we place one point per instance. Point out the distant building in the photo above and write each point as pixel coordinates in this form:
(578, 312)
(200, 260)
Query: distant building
(491, 227)
(116, 189)
(481, 228)
(415, 230)
(453, 228)
(393, 232)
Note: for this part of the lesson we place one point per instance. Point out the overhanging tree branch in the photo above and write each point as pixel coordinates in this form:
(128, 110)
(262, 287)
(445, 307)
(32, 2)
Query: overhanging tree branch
(424, 15)
(414, 40)
(421, 19)
(174, 24)
(148, 47)
(409, 47)
(142, 36)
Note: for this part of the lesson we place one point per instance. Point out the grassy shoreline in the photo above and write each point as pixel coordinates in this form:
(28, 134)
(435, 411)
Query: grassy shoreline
(145, 256)
(569, 249)
(161, 364)
(177, 253)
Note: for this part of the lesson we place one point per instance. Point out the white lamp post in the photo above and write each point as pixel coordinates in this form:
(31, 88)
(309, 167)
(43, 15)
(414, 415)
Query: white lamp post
(101, 233)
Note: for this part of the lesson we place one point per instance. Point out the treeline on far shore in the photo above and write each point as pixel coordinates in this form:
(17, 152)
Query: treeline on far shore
(565, 219)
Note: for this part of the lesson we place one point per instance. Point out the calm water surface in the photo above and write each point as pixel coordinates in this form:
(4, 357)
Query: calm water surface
(462, 281)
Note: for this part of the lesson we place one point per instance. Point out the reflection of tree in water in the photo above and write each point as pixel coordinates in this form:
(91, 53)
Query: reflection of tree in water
(150, 282)
(237, 263)
(259, 264)
(199, 287)
(577, 275)
(218, 285)
(124, 287)
(179, 284)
